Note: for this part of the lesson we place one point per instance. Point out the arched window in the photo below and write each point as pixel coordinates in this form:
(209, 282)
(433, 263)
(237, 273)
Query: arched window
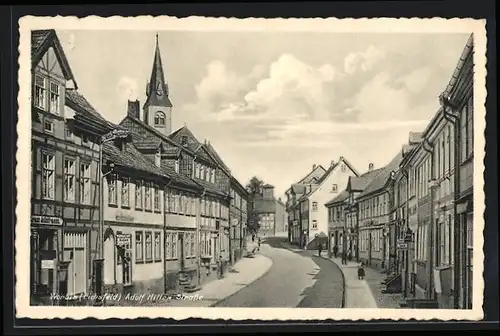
(159, 118)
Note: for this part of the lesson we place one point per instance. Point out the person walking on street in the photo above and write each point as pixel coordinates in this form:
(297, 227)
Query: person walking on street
(258, 242)
(335, 251)
(361, 272)
(320, 248)
(219, 267)
(344, 258)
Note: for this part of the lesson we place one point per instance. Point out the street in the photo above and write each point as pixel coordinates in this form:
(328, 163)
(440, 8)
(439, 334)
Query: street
(296, 279)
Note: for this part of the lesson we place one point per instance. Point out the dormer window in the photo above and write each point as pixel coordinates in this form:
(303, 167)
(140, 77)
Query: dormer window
(197, 170)
(212, 177)
(158, 157)
(159, 118)
(176, 166)
(184, 140)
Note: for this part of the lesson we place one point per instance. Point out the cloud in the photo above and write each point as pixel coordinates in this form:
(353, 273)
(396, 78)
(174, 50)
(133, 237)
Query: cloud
(127, 88)
(363, 61)
(417, 80)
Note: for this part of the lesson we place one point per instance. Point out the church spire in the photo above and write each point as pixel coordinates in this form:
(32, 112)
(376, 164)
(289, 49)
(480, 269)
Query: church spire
(157, 88)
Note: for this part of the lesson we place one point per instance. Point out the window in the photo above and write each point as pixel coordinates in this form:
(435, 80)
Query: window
(85, 139)
(48, 183)
(172, 201)
(40, 92)
(68, 132)
(176, 166)
(463, 134)
(69, 180)
(157, 198)
(112, 195)
(212, 177)
(138, 194)
(174, 246)
(149, 246)
(334, 188)
(48, 126)
(192, 249)
(158, 157)
(315, 206)
(159, 118)
(54, 98)
(343, 168)
(184, 140)
(470, 127)
(168, 245)
(85, 183)
(314, 224)
(157, 246)
(139, 247)
(147, 196)
(125, 192)
(197, 170)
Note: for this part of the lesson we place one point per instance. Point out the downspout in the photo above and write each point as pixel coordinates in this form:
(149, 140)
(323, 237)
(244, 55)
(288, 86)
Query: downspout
(452, 117)
(165, 284)
(405, 228)
(431, 250)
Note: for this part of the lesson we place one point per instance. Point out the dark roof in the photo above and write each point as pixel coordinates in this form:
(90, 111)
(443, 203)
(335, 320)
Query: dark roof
(267, 186)
(265, 205)
(217, 157)
(380, 180)
(327, 173)
(344, 194)
(298, 188)
(82, 105)
(147, 143)
(465, 57)
(157, 79)
(172, 151)
(129, 158)
(209, 187)
(41, 40)
(237, 185)
(176, 177)
(359, 183)
(311, 172)
(415, 137)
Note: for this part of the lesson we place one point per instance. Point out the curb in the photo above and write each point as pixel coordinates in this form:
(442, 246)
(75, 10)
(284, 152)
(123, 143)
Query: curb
(257, 278)
(344, 292)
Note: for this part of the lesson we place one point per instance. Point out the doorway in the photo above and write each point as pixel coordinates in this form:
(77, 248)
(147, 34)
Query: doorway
(75, 251)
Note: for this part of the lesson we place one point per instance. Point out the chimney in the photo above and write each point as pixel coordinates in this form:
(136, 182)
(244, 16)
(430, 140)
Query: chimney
(314, 166)
(370, 166)
(133, 109)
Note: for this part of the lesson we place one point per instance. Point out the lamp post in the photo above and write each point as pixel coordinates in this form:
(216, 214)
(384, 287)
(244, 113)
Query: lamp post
(98, 263)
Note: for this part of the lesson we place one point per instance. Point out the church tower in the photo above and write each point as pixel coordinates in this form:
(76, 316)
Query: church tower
(158, 107)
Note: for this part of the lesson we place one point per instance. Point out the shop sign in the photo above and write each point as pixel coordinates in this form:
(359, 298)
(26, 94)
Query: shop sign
(123, 239)
(402, 246)
(46, 220)
(48, 264)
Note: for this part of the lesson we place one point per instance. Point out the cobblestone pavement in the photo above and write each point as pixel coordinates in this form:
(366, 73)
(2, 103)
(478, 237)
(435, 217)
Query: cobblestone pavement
(296, 279)
(373, 278)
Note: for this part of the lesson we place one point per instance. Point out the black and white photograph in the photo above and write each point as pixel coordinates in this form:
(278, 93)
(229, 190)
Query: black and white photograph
(178, 164)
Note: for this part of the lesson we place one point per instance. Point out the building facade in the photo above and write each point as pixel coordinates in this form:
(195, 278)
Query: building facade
(239, 216)
(293, 194)
(64, 174)
(313, 214)
(281, 219)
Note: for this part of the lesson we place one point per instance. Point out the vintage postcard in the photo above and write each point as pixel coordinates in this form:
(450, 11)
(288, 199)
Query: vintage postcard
(201, 167)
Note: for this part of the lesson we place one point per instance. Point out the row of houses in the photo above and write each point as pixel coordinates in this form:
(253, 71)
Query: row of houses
(412, 218)
(154, 207)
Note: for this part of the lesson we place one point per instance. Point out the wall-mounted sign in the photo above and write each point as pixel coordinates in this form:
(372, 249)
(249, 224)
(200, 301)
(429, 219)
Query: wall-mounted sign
(402, 246)
(122, 217)
(47, 220)
(48, 264)
(123, 239)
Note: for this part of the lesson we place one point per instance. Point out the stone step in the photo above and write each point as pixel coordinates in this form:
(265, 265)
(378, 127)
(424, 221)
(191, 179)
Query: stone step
(192, 289)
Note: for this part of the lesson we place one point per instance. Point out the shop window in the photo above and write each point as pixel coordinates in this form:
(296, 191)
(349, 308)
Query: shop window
(149, 246)
(139, 247)
(157, 246)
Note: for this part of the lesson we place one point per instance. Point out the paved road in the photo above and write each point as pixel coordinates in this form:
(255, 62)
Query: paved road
(296, 279)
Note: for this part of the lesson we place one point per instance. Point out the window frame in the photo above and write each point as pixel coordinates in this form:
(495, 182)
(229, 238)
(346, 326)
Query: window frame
(69, 196)
(48, 179)
(43, 92)
(157, 246)
(85, 182)
(125, 190)
(112, 190)
(139, 247)
(57, 95)
(148, 246)
(160, 118)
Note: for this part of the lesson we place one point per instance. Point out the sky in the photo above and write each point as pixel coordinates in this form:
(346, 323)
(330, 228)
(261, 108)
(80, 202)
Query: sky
(273, 104)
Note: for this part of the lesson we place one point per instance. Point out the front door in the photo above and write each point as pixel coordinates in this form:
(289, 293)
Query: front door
(76, 253)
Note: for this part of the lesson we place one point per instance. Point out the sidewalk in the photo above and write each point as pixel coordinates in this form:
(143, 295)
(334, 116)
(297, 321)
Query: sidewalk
(245, 271)
(366, 293)
(357, 292)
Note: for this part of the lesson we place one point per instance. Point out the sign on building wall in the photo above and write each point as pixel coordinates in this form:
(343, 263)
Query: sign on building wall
(123, 239)
(48, 220)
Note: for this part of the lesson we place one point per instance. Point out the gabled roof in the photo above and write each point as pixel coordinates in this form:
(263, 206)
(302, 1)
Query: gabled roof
(298, 188)
(209, 187)
(359, 183)
(268, 186)
(147, 143)
(81, 105)
(41, 41)
(344, 194)
(178, 178)
(130, 158)
(466, 56)
(318, 167)
(380, 180)
(327, 173)
(217, 157)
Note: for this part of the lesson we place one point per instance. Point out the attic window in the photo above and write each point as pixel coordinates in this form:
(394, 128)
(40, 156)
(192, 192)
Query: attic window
(334, 188)
(343, 168)
(184, 140)
(158, 157)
